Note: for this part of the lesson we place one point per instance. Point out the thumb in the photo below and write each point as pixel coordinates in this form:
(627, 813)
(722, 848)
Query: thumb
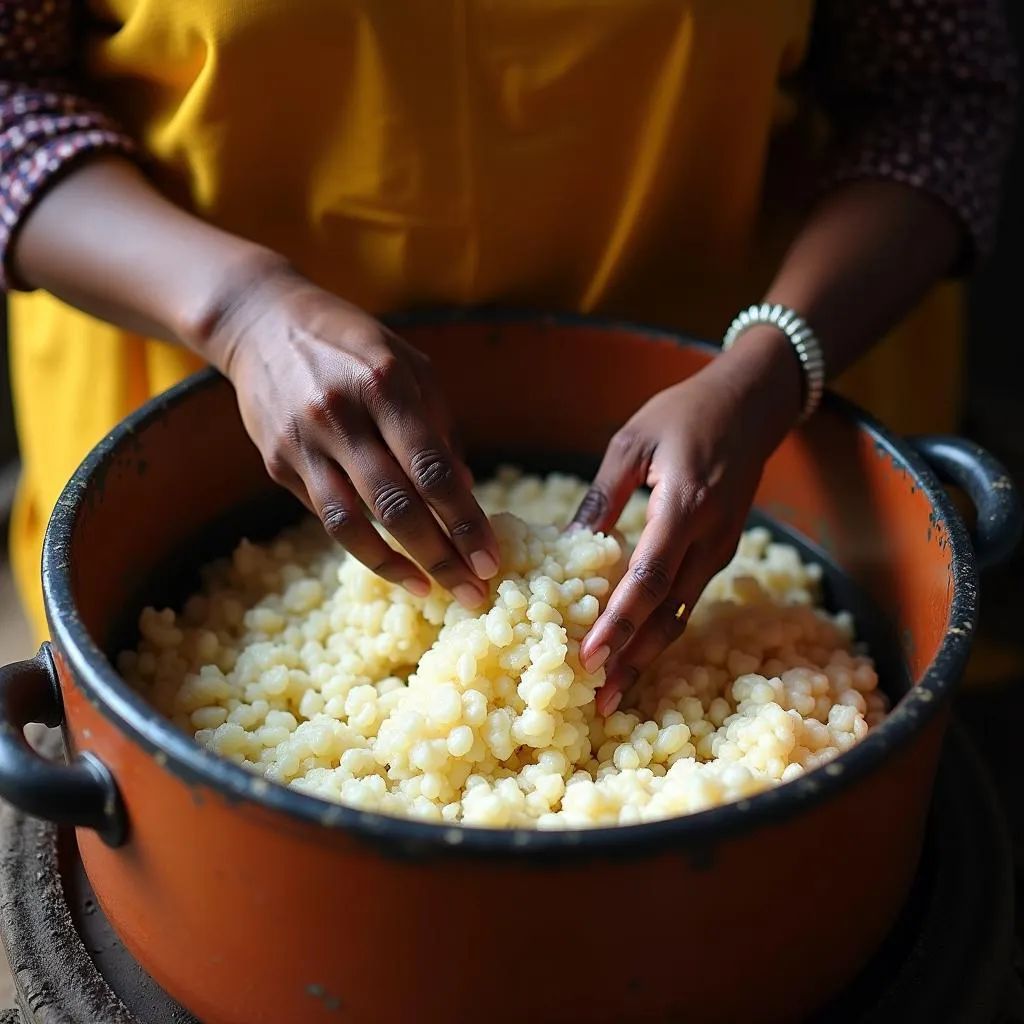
(623, 470)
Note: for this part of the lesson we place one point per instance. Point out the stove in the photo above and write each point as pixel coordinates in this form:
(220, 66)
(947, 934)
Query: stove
(951, 959)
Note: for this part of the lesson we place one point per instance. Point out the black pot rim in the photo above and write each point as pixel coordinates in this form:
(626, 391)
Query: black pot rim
(180, 755)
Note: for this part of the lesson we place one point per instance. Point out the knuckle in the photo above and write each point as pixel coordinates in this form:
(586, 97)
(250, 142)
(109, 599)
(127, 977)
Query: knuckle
(625, 443)
(593, 507)
(432, 472)
(632, 447)
(280, 455)
(320, 409)
(651, 577)
(622, 624)
(694, 493)
(378, 379)
(338, 519)
(462, 528)
(443, 567)
(278, 466)
(391, 504)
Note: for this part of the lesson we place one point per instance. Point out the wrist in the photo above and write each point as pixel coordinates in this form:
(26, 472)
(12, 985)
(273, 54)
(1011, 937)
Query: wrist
(241, 270)
(765, 371)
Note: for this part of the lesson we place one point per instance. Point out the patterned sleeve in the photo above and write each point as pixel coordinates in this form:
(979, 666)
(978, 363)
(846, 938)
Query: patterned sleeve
(45, 124)
(921, 92)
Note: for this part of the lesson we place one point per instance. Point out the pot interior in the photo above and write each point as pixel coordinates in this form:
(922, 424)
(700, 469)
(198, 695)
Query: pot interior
(184, 483)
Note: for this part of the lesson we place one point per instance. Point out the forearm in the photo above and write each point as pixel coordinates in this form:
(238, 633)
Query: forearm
(862, 262)
(105, 241)
(864, 259)
(921, 99)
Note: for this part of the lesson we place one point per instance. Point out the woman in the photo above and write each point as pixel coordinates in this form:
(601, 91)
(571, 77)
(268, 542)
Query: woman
(259, 182)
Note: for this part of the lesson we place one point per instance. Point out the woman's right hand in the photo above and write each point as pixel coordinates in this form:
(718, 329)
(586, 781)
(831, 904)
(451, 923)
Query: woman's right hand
(346, 415)
(342, 410)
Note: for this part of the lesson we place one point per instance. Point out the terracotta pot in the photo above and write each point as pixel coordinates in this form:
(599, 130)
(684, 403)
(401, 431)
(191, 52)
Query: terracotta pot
(254, 904)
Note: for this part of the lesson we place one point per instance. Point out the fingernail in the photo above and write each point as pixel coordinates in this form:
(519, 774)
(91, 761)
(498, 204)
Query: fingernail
(417, 587)
(613, 705)
(598, 658)
(468, 596)
(483, 564)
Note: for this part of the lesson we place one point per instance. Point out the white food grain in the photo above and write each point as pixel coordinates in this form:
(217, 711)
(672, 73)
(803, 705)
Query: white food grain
(304, 667)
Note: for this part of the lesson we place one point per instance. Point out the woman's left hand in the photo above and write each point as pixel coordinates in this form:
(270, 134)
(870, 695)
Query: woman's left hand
(701, 447)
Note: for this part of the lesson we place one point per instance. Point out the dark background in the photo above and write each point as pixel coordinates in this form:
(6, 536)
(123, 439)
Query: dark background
(995, 405)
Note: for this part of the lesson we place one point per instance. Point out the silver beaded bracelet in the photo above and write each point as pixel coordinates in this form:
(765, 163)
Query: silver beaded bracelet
(800, 336)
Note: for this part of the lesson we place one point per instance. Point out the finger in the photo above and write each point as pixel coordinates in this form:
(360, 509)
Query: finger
(623, 469)
(394, 502)
(437, 410)
(431, 395)
(441, 480)
(664, 627)
(336, 502)
(285, 476)
(652, 571)
(458, 445)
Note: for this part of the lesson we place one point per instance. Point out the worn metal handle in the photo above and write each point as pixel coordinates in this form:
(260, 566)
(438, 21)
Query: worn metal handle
(987, 484)
(83, 793)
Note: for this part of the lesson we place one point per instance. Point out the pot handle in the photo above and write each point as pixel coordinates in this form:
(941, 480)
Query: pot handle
(83, 793)
(989, 486)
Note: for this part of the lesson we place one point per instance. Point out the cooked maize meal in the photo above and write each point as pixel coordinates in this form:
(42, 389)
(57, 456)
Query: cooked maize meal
(302, 666)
